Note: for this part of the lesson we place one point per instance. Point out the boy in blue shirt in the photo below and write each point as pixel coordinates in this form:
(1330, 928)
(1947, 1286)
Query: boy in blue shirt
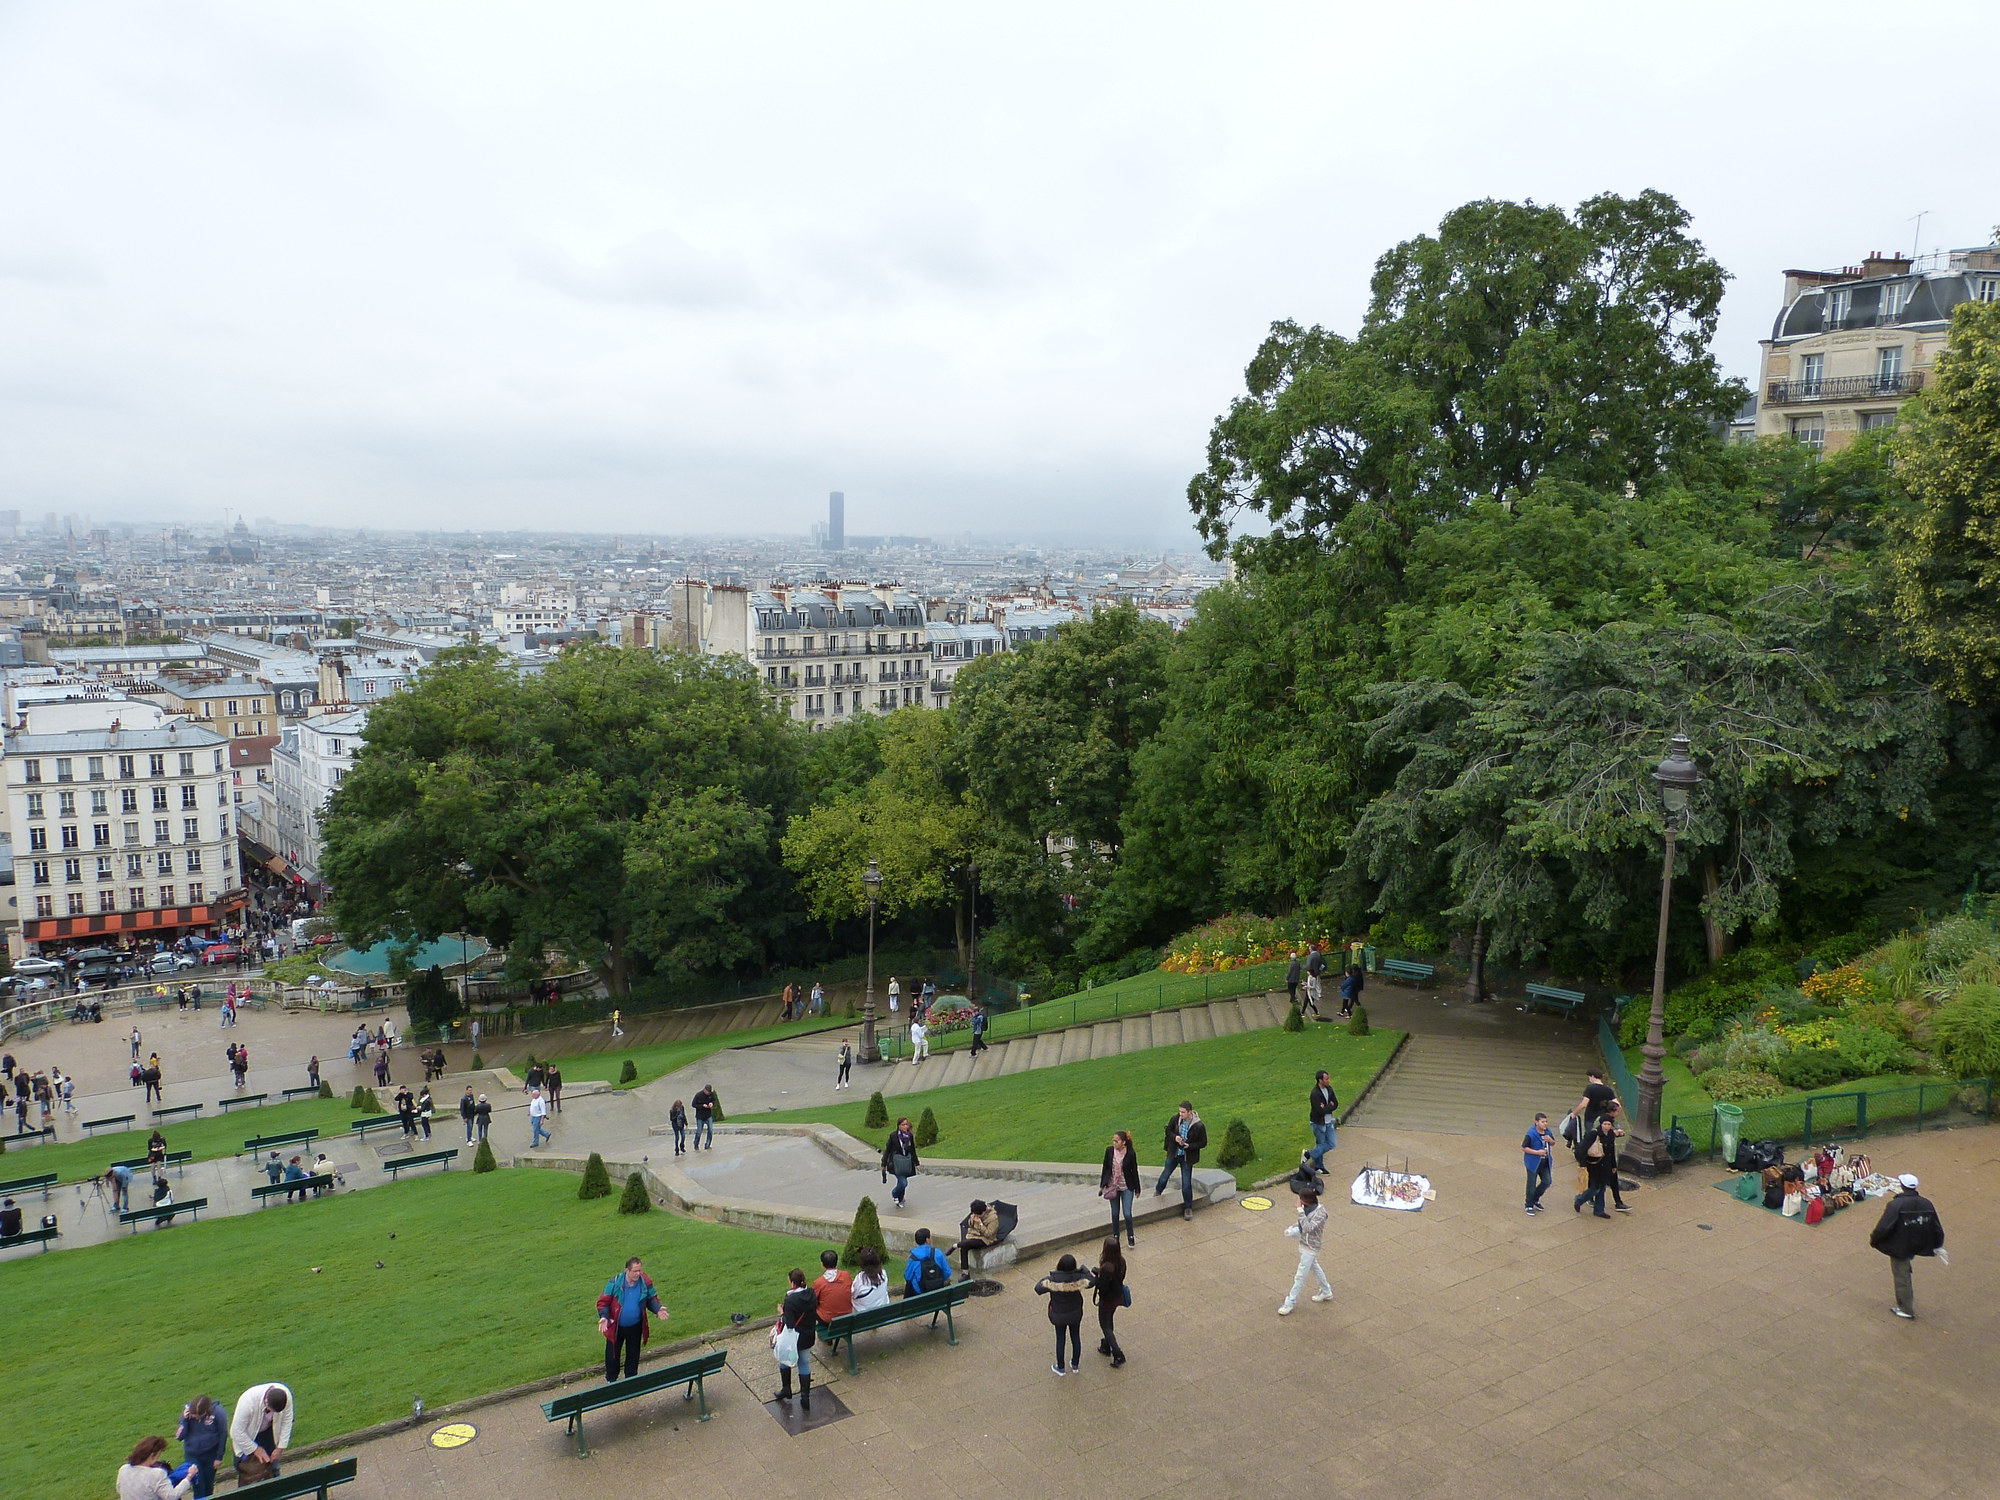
(921, 1254)
(1537, 1147)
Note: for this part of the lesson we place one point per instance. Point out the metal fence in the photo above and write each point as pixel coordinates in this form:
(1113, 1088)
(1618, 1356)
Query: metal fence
(1614, 1061)
(1821, 1118)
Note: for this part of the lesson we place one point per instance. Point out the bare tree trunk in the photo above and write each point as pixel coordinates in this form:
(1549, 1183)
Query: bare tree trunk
(958, 906)
(1475, 976)
(1717, 939)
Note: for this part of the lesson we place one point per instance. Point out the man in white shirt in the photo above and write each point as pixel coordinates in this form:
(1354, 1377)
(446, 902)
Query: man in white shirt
(262, 1428)
(895, 1000)
(920, 1042)
(538, 1113)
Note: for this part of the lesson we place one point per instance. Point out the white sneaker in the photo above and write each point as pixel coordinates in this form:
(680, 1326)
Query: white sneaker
(1285, 1310)
(1322, 1296)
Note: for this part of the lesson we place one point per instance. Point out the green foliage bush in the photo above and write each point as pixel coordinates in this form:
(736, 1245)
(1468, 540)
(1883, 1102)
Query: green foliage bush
(634, 1199)
(359, 1098)
(1733, 986)
(629, 1073)
(866, 1233)
(1963, 1034)
(927, 1131)
(478, 1062)
(325, 1088)
(878, 1111)
(1237, 1147)
(1294, 1021)
(1865, 1051)
(432, 1001)
(1805, 1068)
(1735, 1085)
(482, 1159)
(1357, 1024)
(596, 1179)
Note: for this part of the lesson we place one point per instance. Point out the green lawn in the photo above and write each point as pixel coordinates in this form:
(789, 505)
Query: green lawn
(666, 1057)
(211, 1136)
(1068, 1113)
(486, 1281)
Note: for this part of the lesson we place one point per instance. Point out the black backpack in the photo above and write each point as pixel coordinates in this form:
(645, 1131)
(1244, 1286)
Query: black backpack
(933, 1273)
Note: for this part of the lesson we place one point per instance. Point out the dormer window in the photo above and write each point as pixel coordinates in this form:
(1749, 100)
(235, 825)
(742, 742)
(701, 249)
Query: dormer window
(1895, 297)
(1838, 305)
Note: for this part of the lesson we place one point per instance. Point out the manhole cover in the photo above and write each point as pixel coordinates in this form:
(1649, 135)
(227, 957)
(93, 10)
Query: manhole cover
(1256, 1203)
(987, 1287)
(454, 1435)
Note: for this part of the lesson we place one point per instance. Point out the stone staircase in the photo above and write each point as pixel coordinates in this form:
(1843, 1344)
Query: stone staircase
(1471, 1085)
(640, 1031)
(1049, 1049)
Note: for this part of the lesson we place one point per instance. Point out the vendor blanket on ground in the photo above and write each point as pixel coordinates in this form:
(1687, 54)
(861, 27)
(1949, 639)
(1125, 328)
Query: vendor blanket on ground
(1378, 1187)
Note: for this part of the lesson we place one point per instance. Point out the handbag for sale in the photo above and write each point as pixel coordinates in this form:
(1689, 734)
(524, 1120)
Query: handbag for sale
(1748, 1188)
(1794, 1205)
(1816, 1211)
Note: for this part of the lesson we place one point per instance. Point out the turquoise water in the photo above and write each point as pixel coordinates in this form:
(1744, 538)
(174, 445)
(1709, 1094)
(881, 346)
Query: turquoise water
(446, 951)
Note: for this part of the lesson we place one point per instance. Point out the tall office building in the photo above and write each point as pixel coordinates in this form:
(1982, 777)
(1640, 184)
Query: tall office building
(836, 522)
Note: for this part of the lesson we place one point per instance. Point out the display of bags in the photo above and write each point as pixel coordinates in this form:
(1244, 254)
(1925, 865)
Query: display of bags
(1794, 1205)
(1815, 1210)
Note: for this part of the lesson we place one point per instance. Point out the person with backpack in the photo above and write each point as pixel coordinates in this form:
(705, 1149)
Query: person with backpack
(928, 1267)
(978, 1031)
(1110, 1291)
(1597, 1154)
(1350, 990)
(1064, 1287)
(1185, 1137)
(899, 1158)
(1909, 1227)
(1322, 1110)
(621, 1317)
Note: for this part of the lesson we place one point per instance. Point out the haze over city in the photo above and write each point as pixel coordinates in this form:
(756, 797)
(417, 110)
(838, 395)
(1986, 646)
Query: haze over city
(664, 271)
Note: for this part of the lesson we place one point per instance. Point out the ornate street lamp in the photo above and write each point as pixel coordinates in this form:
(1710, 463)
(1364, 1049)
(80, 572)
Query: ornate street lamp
(1646, 1143)
(871, 878)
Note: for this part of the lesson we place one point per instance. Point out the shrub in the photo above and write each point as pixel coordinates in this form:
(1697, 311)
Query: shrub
(1865, 1051)
(596, 1179)
(1806, 1068)
(629, 1073)
(478, 1062)
(482, 1159)
(866, 1233)
(1734, 1085)
(325, 1089)
(1730, 988)
(878, 1111)
(372, 1102)
(359, 1098)
(1963, 1034)
(634, 1200)
(1294, 1021)
(1357, 1024)
(431, 1000)
(1237, 1148)
(926, 1128)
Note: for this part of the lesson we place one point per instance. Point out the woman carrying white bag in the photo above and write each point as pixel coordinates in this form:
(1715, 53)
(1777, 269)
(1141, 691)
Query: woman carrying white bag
(792, 1338)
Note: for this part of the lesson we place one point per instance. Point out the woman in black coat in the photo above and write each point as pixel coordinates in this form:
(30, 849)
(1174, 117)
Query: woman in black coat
(1597, 1154)
(1119, 1181)
(1064, 1287)
(799, 1311)
(899, 1158)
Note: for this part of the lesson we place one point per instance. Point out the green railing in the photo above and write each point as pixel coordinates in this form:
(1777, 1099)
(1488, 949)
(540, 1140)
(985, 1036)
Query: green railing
(1820, 1118)
(1086, 1007)
(1614, 1062)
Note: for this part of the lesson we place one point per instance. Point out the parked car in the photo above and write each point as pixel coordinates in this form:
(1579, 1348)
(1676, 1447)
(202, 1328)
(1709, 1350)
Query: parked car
(34, 965)
(168, 963)
(222, 953)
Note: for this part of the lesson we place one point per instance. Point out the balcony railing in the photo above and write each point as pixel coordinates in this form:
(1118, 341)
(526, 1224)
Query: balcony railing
(1843, 388)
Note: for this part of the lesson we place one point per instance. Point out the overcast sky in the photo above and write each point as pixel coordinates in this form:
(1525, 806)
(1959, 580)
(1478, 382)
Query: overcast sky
(667, 269)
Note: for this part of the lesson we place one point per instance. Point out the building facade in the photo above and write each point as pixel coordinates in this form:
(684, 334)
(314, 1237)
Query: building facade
(310, 759)
(1850, 346)
(836, 654)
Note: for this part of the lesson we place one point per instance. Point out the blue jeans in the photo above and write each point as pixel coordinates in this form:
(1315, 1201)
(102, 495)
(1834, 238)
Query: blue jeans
(1539, 1176)
(541, 1131)
(1187, 1179)
(702, 1127)
(680, 1139)
(902, 1184)
(805, 1364)
(1323, 1142)
(1594, 1196)
(1122, 1202)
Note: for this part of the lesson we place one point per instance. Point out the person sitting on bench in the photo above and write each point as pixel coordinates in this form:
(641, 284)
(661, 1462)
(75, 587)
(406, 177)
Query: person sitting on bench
(10, 1220)
(295, 1173)
(156, 1149)
(982, 1232)
(929, 1267)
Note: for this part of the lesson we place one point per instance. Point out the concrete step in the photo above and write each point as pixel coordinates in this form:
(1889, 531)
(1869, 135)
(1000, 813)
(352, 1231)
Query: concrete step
(1257, 1014)
(1170, 1028)
(1466, 1085)
(1135, 1033)
(1076, 1044)
(1197, 1025)
(958, 1069)
(1048, 1050)
(1017, 1056)
(1107, 1039)
(989, 1062)
(1227, 1017)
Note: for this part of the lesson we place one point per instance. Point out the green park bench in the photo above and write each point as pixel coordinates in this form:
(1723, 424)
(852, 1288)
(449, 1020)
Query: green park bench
(303, 1091)
(178, 1160)
(1569, 1002)
(932, 1303)
(154, 1002)
(428, 1158)
(689, 1372)
(29, 1237)
(44, 1181)
(176, 1111)
(305, 1482)
(380, 1002)
(366, 1123)
(226, 1105)
(121, 1121)
(258, 1143)
(33, 1135)
(137, 1216)
(1403, 968)
(264, 1192)
(32, 1025)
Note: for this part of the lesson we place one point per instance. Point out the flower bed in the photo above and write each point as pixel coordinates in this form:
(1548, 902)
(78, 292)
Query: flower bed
(1239, 942)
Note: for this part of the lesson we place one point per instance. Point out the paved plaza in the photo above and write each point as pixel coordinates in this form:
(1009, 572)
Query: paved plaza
(1699, 1347)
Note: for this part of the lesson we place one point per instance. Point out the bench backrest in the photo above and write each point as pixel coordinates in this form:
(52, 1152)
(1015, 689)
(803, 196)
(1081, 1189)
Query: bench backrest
(293, 1185)
(173, 1159)
(162, 1211)
(419, 1161)
(290, 1138)
(301, 1482)
(370, 1122)
(109, 1120)
(637, 1385)
(28, 1184)
(932, 1301)
(27, 1237)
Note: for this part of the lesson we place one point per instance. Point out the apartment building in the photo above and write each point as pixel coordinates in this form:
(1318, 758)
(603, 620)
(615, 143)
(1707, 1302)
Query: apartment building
(1850, 346)
(233, 706)
(120, 817)
(310, 759)
(955, 647)
(827, 654)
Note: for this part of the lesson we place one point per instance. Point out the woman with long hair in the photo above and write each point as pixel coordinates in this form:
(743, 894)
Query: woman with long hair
(1120, 1181)
(143, 1476)
(871, 1282)
(201, 1435)
(1110, 1295)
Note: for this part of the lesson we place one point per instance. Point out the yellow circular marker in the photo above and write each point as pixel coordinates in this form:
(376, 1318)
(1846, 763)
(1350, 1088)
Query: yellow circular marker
(1256, 1205)
(454, 1435)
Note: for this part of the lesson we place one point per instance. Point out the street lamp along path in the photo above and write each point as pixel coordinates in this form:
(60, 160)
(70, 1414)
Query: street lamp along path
(871, 879)
(1646, 1143)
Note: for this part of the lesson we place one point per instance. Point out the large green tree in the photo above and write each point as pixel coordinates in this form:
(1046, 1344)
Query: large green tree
(619, 806)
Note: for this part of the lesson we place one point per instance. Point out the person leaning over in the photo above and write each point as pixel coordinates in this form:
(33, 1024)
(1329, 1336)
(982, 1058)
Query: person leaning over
(143, 1476)
(982, 1232)
(1909, 1227)
(261, 1430)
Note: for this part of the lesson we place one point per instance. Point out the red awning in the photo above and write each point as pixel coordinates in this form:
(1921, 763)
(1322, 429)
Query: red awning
(153, 919)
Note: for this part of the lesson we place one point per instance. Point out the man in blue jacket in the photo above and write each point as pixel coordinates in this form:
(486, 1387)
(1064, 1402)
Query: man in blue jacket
(923, 1254)
(621, 1317)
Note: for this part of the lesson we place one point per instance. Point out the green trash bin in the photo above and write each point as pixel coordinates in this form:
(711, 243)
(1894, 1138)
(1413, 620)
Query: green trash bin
(1368, 956)
(1728, 1129)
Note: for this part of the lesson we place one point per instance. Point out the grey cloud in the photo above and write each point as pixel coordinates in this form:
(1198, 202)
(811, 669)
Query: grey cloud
(659, 268)
(49, 265)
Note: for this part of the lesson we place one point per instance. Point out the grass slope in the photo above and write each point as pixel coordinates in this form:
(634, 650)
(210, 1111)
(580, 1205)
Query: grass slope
(1068, 1113)
(221, 1136)
(488, 1281)
(666, 1057)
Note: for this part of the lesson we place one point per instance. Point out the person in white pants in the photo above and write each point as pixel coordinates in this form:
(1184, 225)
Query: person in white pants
(1310, 1231)
(920, 1042)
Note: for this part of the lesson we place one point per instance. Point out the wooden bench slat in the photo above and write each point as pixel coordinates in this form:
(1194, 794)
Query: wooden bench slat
(689, 1372)
(137, 1216)
(175, 1159)
(269, 1190)
(226, 1105)
(427, 1159)
(304, 1482)
(177, 1109)
(45, 1181)
(90, 1125)
(940, 1300)
(289, 1138)
(29, 1237)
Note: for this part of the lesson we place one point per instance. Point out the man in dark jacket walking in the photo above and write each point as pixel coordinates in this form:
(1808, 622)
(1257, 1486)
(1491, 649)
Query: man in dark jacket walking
(1185, 1136)
(705, 1102)
(1315, 968)
(1350, 991)
(1292, 979)
(1322, 1109)
(1909, 1227)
